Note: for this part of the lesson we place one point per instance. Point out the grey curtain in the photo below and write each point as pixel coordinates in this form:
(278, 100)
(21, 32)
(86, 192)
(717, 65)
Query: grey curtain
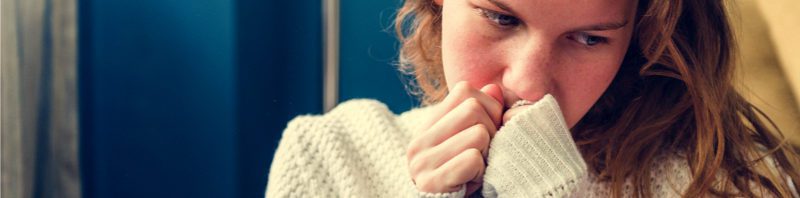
(39, 99)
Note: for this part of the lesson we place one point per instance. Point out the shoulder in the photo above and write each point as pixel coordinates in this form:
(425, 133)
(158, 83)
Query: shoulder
(359, 140)
(345, 118)
(357, 116)
(354, 127)
(316, 152)
(670, 174)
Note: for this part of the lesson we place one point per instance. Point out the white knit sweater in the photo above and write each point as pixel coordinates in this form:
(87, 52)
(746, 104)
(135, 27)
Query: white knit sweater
(359, 150)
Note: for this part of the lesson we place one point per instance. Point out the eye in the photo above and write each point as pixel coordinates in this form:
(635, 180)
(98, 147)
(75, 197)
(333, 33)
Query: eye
(588, 40)
(499, 19)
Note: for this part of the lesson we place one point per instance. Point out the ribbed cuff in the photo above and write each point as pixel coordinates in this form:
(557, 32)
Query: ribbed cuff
(534, 155)
(457, 194)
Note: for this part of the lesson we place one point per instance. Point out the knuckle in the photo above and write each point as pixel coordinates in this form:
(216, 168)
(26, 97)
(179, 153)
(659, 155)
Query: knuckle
(475, 157)
(415, 167)
(477, 136)
(457, 95)
(473, 152)
(484, 133)
(473, 107)
(481, 136)
(426, 184)
(444, 181)
(461, 86)
(480, 127)
(413, 148)
(460, 90)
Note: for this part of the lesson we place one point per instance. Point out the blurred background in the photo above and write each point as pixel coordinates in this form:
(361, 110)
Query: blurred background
(188, 98)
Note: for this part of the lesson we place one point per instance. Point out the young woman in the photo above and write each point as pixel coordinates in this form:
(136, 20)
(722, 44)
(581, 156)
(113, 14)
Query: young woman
(540, 98)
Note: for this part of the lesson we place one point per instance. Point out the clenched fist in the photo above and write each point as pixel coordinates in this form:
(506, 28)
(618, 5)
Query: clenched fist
(450, 149)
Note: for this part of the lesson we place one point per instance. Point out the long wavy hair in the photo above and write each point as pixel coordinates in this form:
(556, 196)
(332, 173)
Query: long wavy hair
(673, 92)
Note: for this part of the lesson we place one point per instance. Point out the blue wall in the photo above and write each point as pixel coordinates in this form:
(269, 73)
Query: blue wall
(279, 58)
(188, 98)
(157, 96)
(369, 54)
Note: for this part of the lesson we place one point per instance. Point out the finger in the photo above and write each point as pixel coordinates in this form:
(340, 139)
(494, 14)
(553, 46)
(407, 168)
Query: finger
(463, 91)
(462, 117)
(495, 92)
(475, 137)
(465, 167)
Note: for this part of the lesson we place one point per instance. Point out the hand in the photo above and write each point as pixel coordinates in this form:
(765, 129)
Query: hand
(451, 147)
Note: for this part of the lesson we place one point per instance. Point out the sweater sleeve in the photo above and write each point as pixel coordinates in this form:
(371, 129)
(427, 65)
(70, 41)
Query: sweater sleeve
(534, 155)
(295, 172)
(457, 194)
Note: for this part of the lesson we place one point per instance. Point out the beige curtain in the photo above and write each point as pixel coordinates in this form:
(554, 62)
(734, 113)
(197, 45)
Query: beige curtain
(39, 99)
(769, 69)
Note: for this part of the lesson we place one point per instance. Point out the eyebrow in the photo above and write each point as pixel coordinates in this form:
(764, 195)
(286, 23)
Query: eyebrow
(593, 27)
(603, 26)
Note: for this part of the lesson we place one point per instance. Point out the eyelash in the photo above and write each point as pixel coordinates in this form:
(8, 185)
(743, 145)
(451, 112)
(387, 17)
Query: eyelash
(588, 39)
(501, 20)
(507, 21)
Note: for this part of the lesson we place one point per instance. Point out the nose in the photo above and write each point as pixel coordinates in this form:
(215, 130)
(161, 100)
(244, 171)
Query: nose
(529, 71)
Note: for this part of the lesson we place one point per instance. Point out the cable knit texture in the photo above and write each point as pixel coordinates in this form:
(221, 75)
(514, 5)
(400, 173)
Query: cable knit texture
(358, 150)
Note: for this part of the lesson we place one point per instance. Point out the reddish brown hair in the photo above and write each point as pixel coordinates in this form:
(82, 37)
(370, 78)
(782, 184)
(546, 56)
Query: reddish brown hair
(674, 92)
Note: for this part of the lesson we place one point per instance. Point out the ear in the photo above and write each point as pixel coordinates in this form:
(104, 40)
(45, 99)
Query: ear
(438, 2)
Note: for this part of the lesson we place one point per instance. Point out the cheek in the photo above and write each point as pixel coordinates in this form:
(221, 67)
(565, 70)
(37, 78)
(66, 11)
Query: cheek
(580, 86)
(465, 61)
(586, 79)
(467, 55)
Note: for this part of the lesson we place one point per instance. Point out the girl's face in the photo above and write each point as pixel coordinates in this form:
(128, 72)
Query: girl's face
(569, 48)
